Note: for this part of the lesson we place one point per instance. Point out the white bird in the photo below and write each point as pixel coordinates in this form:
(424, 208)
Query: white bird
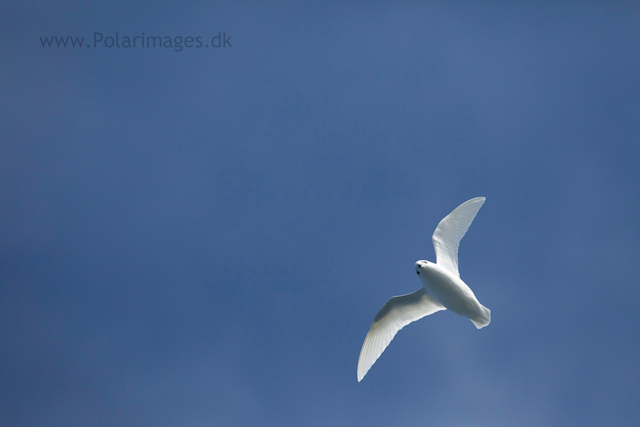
(441, 289)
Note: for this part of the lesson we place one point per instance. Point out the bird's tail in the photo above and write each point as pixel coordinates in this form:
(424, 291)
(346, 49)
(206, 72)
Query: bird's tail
(484, 319)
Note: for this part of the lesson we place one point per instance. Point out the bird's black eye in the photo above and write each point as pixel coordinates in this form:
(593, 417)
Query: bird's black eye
(418, 271)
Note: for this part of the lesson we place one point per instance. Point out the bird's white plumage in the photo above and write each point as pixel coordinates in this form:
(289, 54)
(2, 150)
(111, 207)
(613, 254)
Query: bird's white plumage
(397, 313)
(451, 230)
(442, 279)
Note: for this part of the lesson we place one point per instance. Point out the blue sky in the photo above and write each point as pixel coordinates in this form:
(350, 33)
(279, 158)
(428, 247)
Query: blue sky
(203, 237)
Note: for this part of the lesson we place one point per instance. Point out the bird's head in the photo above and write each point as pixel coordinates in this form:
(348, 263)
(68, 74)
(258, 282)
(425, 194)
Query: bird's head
(421, 266)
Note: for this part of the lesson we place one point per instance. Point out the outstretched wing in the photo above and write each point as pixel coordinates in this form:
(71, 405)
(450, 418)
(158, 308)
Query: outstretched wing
(394, 315)
(451, 230)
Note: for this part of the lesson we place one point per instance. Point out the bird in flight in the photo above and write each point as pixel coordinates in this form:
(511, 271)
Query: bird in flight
(441, 289)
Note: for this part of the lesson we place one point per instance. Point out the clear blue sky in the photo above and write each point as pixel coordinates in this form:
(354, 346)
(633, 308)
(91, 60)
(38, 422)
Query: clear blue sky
(202, 237)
